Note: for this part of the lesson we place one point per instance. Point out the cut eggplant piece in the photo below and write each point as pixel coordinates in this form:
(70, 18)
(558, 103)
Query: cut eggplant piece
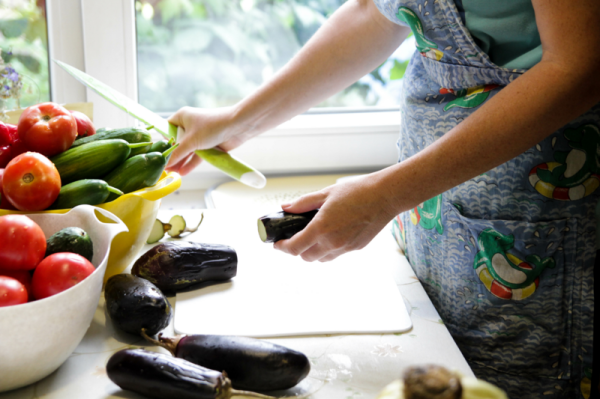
(283, 225)
(175, 265)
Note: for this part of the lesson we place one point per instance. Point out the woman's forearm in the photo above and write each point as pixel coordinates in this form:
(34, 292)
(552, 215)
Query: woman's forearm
(515, 119)
(354, 41)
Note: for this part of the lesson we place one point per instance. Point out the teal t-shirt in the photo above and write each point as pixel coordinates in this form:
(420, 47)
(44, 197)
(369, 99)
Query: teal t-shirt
(504, 29)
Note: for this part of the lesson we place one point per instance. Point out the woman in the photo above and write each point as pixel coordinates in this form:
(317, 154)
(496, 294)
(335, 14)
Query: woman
(498, 177)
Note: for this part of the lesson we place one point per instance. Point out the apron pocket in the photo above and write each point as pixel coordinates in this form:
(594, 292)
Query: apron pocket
(511, 309)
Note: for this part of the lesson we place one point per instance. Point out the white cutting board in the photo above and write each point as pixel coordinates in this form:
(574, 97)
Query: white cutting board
(275, 294)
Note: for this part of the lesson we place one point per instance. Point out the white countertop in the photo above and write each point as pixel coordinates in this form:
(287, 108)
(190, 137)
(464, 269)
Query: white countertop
(353, 366)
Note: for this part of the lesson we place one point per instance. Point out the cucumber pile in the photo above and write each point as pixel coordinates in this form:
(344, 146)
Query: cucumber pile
(102, 167)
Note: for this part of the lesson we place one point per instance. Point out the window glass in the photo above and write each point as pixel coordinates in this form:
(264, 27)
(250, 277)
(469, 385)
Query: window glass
(24, 54)
(212, 53)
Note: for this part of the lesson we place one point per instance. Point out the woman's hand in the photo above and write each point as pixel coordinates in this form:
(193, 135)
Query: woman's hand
(202, 129)
(350, 216)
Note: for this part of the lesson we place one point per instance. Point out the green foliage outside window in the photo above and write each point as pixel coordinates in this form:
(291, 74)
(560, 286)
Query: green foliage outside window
(212, 53)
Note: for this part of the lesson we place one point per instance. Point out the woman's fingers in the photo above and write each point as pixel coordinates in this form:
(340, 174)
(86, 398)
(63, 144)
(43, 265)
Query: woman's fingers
(186, 146)
(191, 163)
(305, 203)
(177, 166)
(296, 245)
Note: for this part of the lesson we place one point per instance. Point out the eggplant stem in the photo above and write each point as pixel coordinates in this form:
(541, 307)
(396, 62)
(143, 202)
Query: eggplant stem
(168, 343)
(250, 394)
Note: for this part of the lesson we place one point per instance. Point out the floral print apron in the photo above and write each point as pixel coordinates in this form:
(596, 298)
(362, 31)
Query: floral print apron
(507, 257)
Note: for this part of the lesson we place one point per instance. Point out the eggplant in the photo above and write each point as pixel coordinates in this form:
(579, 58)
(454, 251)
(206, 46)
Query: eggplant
(175, 265)
(251, 364)
(283, 225)
(134, 303)
(161, 376)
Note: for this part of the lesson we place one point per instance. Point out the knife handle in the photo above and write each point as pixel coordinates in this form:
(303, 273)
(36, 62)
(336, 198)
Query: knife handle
(231, 166)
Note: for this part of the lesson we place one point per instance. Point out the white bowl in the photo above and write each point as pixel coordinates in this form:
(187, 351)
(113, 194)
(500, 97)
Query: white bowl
(37, 337)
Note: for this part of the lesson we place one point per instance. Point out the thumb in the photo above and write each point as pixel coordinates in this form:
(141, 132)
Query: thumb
(305, 203)
(177, 117)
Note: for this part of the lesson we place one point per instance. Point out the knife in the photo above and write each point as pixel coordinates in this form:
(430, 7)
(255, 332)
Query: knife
(218, 158)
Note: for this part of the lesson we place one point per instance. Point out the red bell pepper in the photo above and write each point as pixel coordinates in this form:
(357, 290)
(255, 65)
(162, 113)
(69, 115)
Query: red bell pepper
(10, 144)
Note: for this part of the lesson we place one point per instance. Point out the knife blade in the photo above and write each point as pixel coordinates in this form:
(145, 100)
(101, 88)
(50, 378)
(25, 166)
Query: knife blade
(222, 160)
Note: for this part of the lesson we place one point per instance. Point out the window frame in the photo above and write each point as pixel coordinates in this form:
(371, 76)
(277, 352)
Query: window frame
(99, 38)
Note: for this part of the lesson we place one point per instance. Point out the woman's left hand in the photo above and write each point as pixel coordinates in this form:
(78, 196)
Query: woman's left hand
(351, 214)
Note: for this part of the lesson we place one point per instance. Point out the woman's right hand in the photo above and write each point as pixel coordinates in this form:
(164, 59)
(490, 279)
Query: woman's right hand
(202, 129)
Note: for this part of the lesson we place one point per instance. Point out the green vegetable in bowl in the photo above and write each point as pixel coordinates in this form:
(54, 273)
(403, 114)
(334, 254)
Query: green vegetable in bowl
(70, 239)
(137, 172)
(85, 191)
(92, 160)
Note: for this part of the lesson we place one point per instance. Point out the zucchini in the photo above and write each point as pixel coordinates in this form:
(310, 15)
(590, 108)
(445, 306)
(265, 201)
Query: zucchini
(134, 303)
(129, 134)
(282, 225)
(70, 239)
(86, 191)
(137, 172)
(92, 160)
(175, 265)
(251, 364)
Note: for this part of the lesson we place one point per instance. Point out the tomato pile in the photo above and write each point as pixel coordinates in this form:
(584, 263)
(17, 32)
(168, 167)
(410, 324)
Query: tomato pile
(29, 180)
(26, 273)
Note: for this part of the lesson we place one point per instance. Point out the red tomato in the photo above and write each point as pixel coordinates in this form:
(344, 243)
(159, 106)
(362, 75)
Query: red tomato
(31, 182)
(23, 277)
(59, 272)
(22, 243)
(85, 127)
(47, 128)
(12, 292)
(4, 202)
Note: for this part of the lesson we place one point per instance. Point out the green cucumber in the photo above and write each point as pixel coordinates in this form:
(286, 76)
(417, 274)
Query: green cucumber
(129, 134)
(92, 160)
(70, 239)
(86, 191)
(137, 172)
(160, 146)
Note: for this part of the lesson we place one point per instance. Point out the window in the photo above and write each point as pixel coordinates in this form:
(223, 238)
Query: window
(208, 53)
(99, 37)
(24, 78)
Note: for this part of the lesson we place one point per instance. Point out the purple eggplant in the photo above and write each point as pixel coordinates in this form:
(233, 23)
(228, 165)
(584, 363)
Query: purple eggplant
(175, 265)
(161, 376)
(283, 225)
(251, 364)
(134, 303)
